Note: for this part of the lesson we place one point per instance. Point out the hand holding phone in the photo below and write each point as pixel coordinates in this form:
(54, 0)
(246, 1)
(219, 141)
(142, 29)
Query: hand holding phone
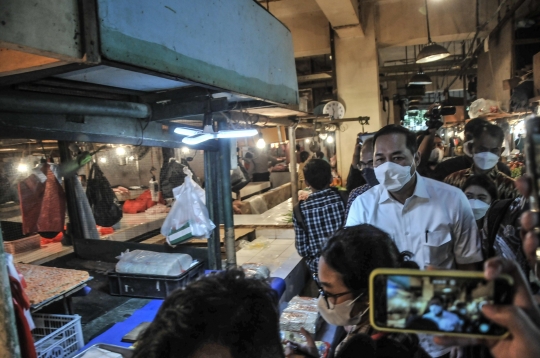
(521, 317)
(436, 302)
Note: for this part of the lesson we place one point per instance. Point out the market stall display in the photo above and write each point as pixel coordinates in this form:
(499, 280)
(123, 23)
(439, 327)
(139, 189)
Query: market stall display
(46, 284)
(301, 312)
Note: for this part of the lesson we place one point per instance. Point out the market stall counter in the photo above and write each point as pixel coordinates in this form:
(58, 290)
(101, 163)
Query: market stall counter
(45, 285)
(115, 334)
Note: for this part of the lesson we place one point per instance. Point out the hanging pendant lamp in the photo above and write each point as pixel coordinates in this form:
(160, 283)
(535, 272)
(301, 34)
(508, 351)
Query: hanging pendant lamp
(431, 52)
(420, 78)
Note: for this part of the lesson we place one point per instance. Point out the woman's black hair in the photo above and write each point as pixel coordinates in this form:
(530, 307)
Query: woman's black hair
(482, 180)
(225, 309)
(355, 251)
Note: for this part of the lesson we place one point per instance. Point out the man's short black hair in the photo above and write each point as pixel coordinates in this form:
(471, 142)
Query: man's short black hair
(490, 129)
(224, 309)
(318, 173)
(410, 137)
(472, 126)
(319, 154)
(304, 156)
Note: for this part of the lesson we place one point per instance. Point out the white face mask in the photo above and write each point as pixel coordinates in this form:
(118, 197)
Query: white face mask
(479, 208)
(340, 315)
(436, 156)
(466, 148)
(485, 160)
(393, 176)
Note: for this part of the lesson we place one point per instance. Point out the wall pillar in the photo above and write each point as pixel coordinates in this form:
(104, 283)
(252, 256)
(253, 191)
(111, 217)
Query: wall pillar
(358, 88)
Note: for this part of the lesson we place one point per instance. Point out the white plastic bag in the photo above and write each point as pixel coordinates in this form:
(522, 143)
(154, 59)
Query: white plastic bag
(153, 263)
(482, 107)
(188, 216)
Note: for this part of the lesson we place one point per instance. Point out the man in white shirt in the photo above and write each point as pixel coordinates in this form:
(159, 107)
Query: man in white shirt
(431, 220)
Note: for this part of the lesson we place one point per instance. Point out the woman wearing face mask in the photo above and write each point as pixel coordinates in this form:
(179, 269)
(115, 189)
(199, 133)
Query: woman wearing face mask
(481, 192)
(347, 260)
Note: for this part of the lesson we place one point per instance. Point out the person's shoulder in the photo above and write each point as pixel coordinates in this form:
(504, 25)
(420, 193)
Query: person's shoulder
(456, 175)
(443, 188)
(505, 177)
(457, 161)
(360, 190)
(369, 195)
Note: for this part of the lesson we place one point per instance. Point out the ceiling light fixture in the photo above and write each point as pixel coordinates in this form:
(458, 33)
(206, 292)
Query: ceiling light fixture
(121, 151)
(196, 139)
(420, 78)
(196, 136)
(431, 52)
(330, 139)
(23, 168)
(261, 143)
(186, 131)
(237, 133)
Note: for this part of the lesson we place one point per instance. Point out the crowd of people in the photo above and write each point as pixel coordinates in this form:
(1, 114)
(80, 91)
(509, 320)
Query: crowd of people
(406, 214)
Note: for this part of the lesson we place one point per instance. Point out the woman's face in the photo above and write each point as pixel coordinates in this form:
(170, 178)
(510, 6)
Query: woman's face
(477, 192)
(332, 282)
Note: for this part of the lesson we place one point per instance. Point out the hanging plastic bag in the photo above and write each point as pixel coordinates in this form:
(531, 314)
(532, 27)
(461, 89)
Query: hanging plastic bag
(105, 206)
(188, 216)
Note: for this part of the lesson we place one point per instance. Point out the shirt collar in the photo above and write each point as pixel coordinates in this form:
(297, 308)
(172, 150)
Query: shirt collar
(493, 173)
(320, 193)
(419, 190)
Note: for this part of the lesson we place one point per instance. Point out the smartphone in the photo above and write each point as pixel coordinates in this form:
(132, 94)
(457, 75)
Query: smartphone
(532, 157)
(436, 302)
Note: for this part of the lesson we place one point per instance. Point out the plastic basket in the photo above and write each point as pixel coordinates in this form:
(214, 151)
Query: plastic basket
(151, 286)
(57, 336)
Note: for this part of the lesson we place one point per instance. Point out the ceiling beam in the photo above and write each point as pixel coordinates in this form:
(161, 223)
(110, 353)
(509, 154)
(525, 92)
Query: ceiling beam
(343, 16)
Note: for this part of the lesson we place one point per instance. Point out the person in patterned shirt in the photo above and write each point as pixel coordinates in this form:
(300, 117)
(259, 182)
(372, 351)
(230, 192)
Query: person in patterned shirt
(365, 166)
(322, 213)
(486, 149)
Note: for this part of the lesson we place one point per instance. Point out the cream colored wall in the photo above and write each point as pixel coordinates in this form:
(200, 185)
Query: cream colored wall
(358, 89)
(308, 24)
(403, 22)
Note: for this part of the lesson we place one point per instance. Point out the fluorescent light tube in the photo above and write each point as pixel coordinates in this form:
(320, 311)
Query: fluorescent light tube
(199, 138)
(237, 133)
(186, 131)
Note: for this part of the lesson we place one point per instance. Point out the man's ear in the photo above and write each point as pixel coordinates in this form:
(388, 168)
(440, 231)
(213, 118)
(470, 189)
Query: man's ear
(307, 184)
(417, 159)
(470, 145)
(502, 151)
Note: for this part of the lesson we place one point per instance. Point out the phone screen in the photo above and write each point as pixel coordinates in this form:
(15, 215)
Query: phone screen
(438, 304)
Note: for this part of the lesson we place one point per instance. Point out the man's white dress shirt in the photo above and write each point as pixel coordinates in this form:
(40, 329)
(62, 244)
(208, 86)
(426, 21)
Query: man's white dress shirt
(436, 224)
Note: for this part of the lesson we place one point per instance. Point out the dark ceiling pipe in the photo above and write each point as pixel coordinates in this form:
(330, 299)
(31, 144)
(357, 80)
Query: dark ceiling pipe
(27, 102)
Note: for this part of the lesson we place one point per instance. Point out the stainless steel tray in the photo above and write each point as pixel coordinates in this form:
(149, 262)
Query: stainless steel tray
(125, 352)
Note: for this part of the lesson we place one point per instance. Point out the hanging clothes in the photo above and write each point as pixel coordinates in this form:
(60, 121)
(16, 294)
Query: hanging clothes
(171, 176)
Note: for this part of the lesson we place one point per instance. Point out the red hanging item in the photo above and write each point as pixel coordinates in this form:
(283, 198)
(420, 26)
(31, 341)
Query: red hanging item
(20, 303)
(31, 192)
(53, 207)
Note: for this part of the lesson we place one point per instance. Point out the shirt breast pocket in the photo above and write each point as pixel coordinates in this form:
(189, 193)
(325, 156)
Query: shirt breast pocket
(437, 248)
